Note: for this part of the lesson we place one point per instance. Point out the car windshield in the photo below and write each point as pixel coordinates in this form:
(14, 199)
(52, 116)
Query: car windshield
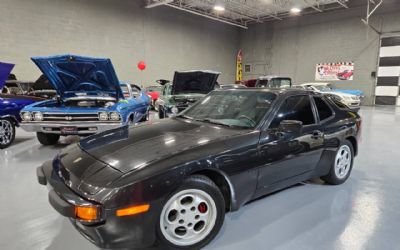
(154, 89)
(233, 108)
(323, 88)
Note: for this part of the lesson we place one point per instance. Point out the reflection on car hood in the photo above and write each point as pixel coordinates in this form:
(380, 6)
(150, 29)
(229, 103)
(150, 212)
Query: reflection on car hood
(196, 81)
(132, 149)
(5, 70)
(71, 75)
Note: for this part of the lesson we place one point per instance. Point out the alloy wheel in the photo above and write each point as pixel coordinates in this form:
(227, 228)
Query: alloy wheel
(6, 132)
(188, 217)
(343, 162)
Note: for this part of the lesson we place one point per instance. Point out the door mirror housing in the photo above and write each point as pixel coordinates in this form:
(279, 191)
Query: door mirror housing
(292, 127)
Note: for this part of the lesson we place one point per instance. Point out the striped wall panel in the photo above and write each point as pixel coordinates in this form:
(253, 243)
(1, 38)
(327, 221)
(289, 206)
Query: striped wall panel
(388, 81)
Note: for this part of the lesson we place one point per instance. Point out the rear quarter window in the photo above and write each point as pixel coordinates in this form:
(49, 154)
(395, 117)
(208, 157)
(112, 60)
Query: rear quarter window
(337, 102)
(324, 110)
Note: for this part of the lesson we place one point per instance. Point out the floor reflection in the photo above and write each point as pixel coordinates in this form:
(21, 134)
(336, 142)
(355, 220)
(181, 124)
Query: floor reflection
(361, 214)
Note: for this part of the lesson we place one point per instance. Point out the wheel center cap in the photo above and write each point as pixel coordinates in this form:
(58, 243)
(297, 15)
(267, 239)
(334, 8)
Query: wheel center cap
(2, 131)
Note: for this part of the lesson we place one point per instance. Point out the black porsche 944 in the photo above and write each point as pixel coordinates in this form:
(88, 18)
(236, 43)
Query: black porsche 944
(169, 183)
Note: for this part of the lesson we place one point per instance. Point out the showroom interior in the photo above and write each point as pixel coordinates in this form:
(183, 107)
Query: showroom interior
(115, 54)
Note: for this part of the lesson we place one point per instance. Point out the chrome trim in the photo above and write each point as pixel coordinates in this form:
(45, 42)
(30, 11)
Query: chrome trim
(91, 98)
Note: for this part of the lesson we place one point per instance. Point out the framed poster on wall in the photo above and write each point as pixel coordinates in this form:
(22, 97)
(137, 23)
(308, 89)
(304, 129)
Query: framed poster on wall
(342, 71)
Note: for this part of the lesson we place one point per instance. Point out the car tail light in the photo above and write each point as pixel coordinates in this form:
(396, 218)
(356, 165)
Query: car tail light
(133, 210)
(87, 213)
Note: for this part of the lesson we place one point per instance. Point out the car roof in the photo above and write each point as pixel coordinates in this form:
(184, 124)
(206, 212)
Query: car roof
(271, 76)
(278, 91)
(315, 84)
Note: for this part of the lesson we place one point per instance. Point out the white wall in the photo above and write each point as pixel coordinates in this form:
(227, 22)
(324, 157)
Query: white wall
(293, 47)
(166, 39)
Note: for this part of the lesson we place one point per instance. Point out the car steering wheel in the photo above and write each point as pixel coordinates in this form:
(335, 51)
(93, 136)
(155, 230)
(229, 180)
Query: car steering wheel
(251, 121)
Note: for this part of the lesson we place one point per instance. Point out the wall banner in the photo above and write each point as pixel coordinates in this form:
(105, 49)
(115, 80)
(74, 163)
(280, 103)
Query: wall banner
(239, 67)
(341, 71)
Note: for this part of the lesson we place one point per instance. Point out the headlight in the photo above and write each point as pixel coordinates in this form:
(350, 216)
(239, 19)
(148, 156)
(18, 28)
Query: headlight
(38, 116)
(103, 116)
(114, 116)
(26, 116)
(174, 110)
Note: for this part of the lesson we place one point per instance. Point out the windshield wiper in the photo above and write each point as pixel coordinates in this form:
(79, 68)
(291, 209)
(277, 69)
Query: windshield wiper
(186, 117)
(219, 123)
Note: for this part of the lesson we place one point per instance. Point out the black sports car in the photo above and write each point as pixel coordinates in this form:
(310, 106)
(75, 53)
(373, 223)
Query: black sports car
(169, 183)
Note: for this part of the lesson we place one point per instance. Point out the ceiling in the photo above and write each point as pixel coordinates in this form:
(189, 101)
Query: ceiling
(242, 12)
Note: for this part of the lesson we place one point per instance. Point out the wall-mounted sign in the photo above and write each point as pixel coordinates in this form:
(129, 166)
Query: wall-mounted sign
(334, 71)
(239, 66)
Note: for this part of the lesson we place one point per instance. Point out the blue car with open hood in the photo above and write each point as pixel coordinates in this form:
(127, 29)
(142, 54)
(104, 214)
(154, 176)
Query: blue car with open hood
(90, 99)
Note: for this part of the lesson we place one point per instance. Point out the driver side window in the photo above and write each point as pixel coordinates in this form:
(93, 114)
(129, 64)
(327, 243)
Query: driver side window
(295, 108)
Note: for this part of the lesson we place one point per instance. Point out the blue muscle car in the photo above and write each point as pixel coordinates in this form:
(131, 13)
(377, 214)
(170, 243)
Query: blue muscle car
(90, 99)
(10, 106)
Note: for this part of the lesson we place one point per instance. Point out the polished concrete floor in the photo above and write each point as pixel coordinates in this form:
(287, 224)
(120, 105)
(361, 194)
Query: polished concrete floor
(363, 213)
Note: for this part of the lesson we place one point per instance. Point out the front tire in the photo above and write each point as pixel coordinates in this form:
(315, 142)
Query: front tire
(342, 165)
(161, 112)
(7, 132)
(192, 216)
(47, 139)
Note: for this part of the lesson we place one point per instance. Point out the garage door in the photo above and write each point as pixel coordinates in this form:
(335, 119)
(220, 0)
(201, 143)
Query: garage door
(388, 81)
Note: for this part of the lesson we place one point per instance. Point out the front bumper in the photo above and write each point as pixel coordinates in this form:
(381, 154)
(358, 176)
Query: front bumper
(136, 231)
(86, 128)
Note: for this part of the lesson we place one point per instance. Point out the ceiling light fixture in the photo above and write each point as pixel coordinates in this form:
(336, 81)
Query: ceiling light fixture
(295, 10)
(219, 6)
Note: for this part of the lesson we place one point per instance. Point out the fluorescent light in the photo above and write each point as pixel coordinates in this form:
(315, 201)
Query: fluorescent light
(219, 7)
(295, 10)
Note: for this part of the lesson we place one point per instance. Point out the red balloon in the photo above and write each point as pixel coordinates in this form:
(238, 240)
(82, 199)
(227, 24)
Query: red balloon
(141, 65)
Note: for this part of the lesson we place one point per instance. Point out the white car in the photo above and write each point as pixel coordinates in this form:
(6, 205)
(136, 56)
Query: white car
(352, 101)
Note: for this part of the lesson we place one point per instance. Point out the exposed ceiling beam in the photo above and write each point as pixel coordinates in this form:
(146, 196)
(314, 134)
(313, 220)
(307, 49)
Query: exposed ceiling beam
(183, 8)
(155, 4)
(342, 3)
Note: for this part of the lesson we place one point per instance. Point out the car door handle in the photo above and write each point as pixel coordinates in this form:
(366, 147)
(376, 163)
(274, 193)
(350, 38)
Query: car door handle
(317, 134)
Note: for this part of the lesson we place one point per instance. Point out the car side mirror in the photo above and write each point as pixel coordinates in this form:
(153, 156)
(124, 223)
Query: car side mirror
(291, 127)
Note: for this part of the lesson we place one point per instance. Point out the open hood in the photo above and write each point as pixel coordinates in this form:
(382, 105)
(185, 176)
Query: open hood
(5, 70)
(77, 75)
(194, 81)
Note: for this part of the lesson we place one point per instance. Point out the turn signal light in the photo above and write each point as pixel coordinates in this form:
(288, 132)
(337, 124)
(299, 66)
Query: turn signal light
(133, 210)
(86, 213)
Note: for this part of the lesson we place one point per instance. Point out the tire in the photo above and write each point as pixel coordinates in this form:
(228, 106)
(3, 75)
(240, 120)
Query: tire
(145, 117)
(47, 139)
(7, 132)
(342, 165)
(200, 210)
(161, 113)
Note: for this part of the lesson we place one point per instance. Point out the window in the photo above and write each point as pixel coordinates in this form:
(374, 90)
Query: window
(237, 108)
(295, 108)
(336, 100)
(323, 108)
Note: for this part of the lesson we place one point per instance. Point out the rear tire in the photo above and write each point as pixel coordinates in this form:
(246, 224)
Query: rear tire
(47, 139)
(191, 216)
(161, 113)
(342, 165)
(7, 132)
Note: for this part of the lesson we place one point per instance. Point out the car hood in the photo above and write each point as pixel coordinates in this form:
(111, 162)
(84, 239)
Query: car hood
(5, 70)
(73, 75)
(196, 81)
(136, 148)
(13, 104)
(350, 91)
